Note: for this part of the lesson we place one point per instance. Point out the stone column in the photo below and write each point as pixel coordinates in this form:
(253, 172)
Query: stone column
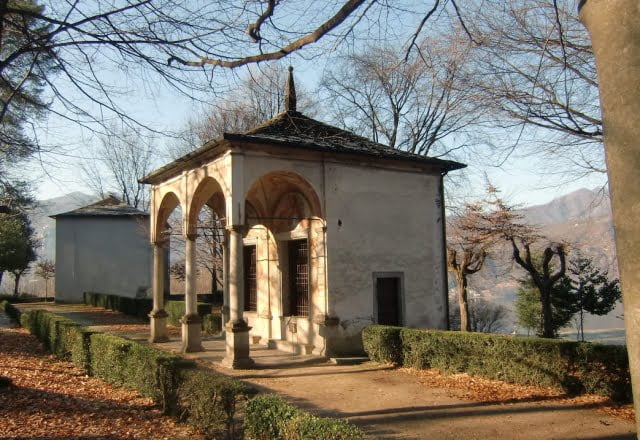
(225, 280)
(614, 26)
(158, 316)
(191, 322)
(237, 330)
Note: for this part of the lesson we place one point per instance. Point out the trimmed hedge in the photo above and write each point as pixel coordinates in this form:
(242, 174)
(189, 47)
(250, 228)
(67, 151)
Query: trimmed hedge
(202, 397)
(11, 311)
(141, 307)
(269, 417)
(198, 396)
(575, 367)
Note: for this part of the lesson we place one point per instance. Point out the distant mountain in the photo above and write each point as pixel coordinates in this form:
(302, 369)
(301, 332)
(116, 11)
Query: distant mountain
(45, 226)
(582, 219)
(45, 232)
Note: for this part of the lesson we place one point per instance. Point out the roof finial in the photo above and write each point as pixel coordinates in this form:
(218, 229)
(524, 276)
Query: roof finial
(290, 93)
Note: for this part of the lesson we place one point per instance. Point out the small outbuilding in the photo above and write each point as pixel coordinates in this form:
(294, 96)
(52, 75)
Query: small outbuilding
(102, 247)
(326, 232)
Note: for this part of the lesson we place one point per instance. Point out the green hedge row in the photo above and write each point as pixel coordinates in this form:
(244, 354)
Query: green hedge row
(201, 397)
(141, 307)
(269, 417)
(576, 367)
(9, 309)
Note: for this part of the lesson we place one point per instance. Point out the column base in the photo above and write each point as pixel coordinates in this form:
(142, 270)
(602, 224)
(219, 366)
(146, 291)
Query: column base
(158, 326)
(191, 334)
(237, 337)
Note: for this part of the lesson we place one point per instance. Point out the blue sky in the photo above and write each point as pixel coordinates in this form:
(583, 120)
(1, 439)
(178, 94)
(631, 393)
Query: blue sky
(522, 179)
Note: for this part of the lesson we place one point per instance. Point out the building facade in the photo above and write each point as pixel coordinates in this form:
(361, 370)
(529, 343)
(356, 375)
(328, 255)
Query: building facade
(326, 232)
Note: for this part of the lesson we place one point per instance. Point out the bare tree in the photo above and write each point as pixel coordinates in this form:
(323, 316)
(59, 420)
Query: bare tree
(409, 103)
(503, 221)
(258, 98)
(123, 157)
(46, 269)
(534, 71)
(467, 246)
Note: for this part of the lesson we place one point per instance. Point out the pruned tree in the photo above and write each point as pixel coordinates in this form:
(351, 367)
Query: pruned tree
(46, 269)
(529, 309)
(467, 246)
(592, 291)
(501, 220)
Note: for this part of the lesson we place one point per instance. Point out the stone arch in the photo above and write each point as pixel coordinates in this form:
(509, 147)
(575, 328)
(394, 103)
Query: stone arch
(169, 202)
(280, 198)
(210, 193)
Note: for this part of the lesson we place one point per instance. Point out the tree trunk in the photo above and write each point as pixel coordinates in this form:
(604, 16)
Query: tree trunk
(615, 36)
(1, 274)
(461, 287)
(547, 313)
(16, 277)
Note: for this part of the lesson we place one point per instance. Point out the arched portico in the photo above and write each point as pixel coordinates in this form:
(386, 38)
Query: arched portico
(160, 239)
(285, 235)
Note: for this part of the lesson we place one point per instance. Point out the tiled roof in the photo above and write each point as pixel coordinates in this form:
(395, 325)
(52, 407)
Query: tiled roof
(294, 129)
(108, 207)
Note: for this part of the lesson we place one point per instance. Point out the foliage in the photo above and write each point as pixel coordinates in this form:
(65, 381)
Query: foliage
(269, 417)
(141, 307)
(591, 290)
(529, 308)
(382, 343)
(572, 366)
(17, 245)
(25, 62)
(208, 400)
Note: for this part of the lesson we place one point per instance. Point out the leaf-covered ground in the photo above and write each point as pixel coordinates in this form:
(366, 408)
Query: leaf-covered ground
(53, 399)
(490, 391)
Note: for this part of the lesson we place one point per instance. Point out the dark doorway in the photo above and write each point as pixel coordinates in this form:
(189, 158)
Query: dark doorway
(250, 280)
(388, 298)
(299, 278)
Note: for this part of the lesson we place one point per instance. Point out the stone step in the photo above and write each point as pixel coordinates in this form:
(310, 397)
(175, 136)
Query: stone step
(290, 347)
(354, 360)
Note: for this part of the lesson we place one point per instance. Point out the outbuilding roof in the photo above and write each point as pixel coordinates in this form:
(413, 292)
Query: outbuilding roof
(110, 206)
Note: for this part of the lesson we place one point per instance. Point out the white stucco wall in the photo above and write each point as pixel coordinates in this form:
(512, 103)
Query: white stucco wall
(102, 254)
(390, 222)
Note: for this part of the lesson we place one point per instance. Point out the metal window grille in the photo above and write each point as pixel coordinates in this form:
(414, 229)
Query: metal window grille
(299, 275)
(250, 280)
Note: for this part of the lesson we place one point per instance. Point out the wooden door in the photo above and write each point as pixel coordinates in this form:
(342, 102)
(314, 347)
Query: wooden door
(388, 297)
